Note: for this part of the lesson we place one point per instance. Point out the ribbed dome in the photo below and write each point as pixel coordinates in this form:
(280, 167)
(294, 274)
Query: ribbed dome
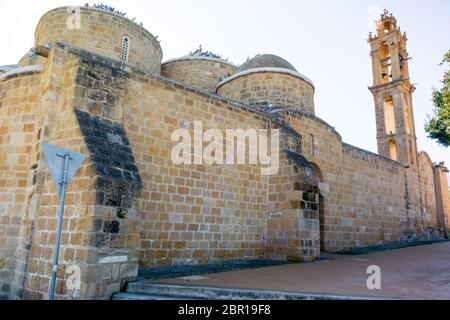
(265, 61)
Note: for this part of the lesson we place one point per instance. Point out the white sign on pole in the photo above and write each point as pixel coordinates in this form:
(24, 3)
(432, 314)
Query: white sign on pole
(63, 165)
(55, 158)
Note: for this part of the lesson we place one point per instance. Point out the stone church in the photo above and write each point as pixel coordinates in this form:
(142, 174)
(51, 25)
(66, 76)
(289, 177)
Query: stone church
(94, 83)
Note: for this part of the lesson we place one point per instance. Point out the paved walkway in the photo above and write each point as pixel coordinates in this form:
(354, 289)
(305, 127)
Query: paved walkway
(421, 272)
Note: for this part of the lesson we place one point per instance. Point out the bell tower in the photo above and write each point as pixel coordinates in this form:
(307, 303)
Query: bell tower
(392, 92)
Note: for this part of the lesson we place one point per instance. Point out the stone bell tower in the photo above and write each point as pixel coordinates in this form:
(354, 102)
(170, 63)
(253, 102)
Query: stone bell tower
(392, 92)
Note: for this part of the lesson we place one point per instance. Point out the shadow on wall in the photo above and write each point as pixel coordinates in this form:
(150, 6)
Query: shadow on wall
(318, 174)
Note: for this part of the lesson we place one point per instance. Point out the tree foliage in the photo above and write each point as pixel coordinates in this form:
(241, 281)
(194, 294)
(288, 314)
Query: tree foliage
(438, 125)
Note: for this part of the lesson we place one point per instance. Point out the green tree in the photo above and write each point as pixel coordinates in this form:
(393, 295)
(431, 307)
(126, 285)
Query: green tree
(438, 125)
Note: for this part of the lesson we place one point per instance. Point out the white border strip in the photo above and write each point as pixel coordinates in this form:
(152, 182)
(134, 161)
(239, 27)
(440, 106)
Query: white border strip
(257, 70)
(8, 67)
(199, 58)
(21, 70)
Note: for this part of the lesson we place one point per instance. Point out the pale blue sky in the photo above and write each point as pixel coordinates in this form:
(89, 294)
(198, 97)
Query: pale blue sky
(325, 40)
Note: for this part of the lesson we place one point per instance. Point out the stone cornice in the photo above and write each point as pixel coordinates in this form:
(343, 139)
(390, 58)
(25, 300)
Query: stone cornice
(21, 71)
(390, 85)
(186, 58)
(372, 154)
(263, 70)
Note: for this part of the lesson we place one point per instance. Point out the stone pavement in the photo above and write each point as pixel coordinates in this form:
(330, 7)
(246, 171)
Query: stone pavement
(421, 272)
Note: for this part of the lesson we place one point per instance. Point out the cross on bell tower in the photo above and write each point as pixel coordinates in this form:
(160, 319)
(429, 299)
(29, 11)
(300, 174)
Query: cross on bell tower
(392, 92)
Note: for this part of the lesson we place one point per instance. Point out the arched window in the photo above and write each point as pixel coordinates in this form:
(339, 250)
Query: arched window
(313, 151)
(389, 115)
(385, 63)
(393, 149)
(125, 49)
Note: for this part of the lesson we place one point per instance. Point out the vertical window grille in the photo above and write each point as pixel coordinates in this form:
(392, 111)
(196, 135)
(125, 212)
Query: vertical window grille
(125, 49)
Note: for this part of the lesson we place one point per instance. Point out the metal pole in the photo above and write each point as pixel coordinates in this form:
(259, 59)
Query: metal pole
(59, 228)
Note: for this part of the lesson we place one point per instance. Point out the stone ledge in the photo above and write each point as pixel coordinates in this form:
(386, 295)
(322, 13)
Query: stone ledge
(204, 292)
(306, 114)
(346, 148)
(186, 58)
(266, 70)
(21, 71)
(7, 68)
(95, 58)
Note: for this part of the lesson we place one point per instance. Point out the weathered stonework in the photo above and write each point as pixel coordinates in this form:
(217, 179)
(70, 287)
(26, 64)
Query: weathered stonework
(100, 32)
(200, 72)
(263, 87)
(130, 206)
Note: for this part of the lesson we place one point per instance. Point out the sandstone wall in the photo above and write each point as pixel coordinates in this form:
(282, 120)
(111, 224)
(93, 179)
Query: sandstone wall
(363, 193)
(442, 198)
(53, 123)
(101, 32)
(195, 213)
(114, 209)
(371, 199)
(428, 193)
(262, 88)
(293, 222)
(416, 223)
(100, 229)
(18, 99)
(130, 205)
(202, 73)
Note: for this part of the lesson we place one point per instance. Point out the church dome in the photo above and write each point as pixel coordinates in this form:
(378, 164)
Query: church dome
(268, 80)
(265, 61)
(200, 69)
